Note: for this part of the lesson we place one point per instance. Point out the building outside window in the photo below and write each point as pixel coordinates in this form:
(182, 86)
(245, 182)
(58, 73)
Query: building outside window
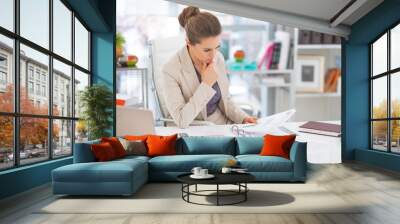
(43, 90)
(3, 72)
(37, 74)
(3, 78)
(44, 77)
(30, 72)
(30, 87)
(38, 89)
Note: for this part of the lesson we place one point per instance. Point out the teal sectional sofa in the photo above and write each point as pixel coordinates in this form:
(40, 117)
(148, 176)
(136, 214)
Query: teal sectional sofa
(125, 176)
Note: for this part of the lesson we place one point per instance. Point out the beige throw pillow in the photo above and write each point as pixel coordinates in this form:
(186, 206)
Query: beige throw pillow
(137, 148)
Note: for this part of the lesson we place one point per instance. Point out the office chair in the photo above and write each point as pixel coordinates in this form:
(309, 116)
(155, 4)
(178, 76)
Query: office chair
(134, 121)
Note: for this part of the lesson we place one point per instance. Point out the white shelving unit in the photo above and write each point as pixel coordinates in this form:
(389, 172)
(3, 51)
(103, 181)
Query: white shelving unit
(268, 87)
(319, 106)
(313, 95)
(132, 86)
(276, 96)
(318, 46)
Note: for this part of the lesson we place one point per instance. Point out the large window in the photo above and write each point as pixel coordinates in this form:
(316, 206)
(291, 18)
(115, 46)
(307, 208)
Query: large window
(385, 92)
(44, 64)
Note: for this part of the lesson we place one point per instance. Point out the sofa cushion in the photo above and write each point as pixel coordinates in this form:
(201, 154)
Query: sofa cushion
(185, 163)
(112, 171)
(103, 152)
(161, 145)
(277, 145)
(132, 158)
(249, 145)
(198, 145)
(257, 163)
(116, 145)
(134, 147)
(136, 137)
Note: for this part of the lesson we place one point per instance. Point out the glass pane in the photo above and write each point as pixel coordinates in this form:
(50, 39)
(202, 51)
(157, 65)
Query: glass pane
(379, 97)
(62, 89)
(62, 29)
(395, 136)
(81, 81)
(379, 55)
(33, 139)
(35, 21)
(379, 135)
(395, 47)
(81, 45)
(6, 74)
(7, 14)
(62, 138)
(34, 82)
(6, 142)
(395, 94)
(81, 131)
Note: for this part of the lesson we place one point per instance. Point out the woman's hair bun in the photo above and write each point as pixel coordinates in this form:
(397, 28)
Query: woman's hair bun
(186, 14)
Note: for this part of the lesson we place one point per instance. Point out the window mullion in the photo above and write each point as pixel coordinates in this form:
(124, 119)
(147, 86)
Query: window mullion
(16, 85)
(371, 98)
(73, 82)
(50, 81)
(389, 106)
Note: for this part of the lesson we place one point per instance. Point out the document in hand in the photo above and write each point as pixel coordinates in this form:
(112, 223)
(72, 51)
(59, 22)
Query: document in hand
(268, 125)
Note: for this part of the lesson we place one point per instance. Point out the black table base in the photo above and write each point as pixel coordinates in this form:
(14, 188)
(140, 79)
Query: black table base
(241, 191)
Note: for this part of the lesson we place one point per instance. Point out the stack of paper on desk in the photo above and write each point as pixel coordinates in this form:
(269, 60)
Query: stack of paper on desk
(268, 125)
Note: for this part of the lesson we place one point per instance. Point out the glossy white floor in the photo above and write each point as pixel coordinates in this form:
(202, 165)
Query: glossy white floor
(377, 188)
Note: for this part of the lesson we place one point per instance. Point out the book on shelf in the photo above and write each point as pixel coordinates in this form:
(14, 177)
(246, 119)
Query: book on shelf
(304, 37)
(276, 54)
(332, 78)
(265, 56)
(283, 38)
(321, 128)
(316, 37)
(290, 62)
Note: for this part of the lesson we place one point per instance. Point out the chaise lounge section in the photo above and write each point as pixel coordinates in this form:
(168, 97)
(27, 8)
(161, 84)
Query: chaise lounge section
(125, 176)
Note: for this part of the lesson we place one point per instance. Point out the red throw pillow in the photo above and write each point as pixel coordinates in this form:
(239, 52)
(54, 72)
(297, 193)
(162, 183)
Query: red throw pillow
(116, 145)
(103, 152)
(277, 145)
(161, 145)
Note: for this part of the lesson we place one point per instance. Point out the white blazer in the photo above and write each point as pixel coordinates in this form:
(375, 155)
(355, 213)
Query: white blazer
(186, 98)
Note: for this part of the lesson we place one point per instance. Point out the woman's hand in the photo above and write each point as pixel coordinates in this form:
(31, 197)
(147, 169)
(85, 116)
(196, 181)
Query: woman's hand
(208, 74)
(249, 120)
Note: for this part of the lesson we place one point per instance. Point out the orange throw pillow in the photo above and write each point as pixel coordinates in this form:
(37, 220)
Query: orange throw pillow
(136, 137)
(161, 145)
(103, 152)
(116, 145)
(277, 145)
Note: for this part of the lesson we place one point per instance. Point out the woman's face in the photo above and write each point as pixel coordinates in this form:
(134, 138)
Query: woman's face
(206, 50)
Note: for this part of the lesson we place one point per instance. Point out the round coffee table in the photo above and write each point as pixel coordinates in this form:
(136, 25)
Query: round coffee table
(238, 179)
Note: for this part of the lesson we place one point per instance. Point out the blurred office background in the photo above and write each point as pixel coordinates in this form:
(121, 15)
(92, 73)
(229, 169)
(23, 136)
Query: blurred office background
(282, 68)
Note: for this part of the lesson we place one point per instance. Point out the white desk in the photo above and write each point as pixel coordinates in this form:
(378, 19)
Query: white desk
(320, 149)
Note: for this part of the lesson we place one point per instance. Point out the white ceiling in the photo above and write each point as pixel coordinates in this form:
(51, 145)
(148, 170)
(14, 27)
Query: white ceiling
(321, 9)
(313, 15)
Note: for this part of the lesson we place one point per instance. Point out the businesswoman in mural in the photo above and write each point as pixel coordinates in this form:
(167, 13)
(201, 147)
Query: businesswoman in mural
(195, 83)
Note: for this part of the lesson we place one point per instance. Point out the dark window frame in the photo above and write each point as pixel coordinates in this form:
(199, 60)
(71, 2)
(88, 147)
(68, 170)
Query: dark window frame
(16, 114)
(388, 74)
